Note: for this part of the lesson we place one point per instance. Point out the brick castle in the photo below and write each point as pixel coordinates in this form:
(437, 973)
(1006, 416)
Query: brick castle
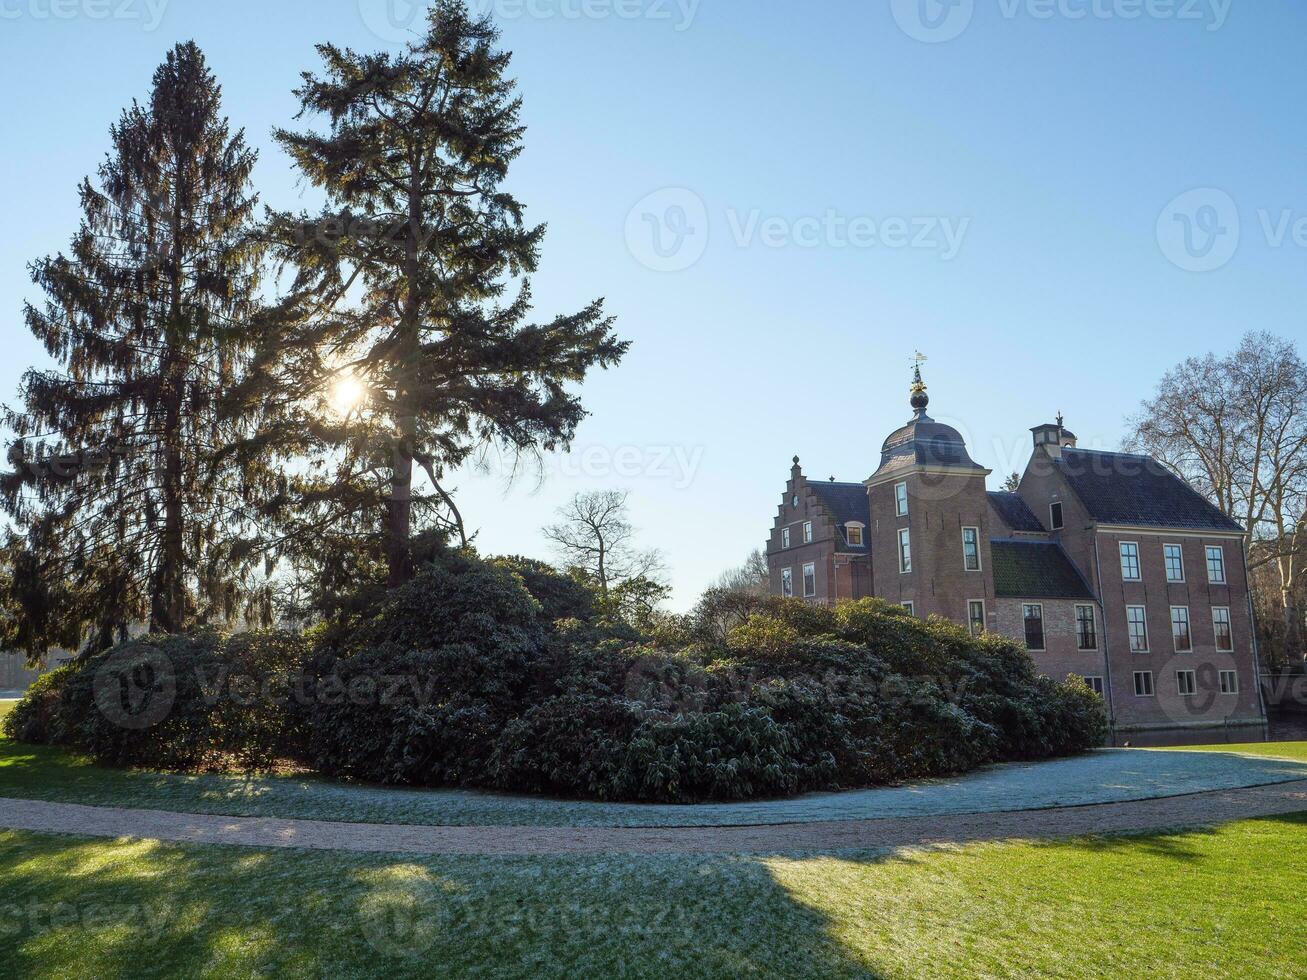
(1104, 565)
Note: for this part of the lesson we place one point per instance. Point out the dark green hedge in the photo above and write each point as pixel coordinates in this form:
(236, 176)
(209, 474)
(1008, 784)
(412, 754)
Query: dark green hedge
(500, 675)
(200, 701)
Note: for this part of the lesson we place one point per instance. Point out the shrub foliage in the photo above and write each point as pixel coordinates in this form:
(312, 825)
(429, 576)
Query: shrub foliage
(507, 675)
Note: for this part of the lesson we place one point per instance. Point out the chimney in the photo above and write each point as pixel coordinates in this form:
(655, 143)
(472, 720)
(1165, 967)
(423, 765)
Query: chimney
(1054, 437)
(1049, 436)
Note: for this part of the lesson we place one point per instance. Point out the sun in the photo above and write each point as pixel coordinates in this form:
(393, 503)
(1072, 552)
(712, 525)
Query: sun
(347, 393)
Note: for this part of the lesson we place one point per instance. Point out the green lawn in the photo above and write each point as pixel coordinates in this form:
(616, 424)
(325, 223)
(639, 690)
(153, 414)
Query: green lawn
(1204, 903)
(1273, 750)
(6, 707)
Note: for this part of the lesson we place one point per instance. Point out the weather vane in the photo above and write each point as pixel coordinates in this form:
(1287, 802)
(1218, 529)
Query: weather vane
(919, 359)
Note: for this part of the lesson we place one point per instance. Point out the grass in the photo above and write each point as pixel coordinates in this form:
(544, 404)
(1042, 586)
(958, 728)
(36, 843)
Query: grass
(1268, 750)
(1191, 904)
(6, 707)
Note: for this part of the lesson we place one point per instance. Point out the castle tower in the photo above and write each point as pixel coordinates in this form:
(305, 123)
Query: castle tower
(930, 518)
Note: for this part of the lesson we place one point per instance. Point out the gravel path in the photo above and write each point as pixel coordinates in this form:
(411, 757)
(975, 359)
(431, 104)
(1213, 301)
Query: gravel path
(1198, 809)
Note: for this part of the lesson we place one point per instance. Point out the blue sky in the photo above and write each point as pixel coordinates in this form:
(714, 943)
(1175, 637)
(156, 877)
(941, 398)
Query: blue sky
(781, 202)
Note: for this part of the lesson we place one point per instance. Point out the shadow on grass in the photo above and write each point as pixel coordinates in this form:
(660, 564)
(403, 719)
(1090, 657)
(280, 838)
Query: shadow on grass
(144, 909)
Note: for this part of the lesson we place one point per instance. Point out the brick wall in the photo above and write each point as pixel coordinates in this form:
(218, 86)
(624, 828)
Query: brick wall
(1061, 654)
(838, 576)
(940, 505)
(1157, 596)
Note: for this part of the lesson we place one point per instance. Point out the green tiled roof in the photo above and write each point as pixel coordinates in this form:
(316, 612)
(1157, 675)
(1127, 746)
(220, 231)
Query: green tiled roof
(1035, 570)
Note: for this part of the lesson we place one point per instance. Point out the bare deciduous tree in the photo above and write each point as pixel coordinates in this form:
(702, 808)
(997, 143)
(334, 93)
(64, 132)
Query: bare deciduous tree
(595, 535)
(1236, 428)
(752, 577)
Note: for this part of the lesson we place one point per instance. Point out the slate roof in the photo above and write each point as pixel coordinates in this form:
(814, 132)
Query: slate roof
(924, 442)
(1122, 488)
(1014, 512)
(1035, 570)
(846, 502)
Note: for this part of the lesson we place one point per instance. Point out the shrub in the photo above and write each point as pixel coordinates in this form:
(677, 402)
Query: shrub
(37, 718)
(571, 745)
(417, 692)
(560, 596)
(189, 702)
(507, 675)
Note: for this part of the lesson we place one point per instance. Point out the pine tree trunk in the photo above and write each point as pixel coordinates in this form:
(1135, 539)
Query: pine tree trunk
(169, 603)
(400, 517)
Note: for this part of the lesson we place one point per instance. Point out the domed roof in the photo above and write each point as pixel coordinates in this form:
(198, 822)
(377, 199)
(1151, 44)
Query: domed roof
(923, 441)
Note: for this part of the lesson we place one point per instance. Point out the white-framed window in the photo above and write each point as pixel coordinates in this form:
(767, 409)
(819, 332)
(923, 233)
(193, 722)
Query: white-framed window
(901, 499)
(1174, 557)
(1180, 633)
(1055, 515)
(807, 532)
(905, 550)
(785, 537)
(976, 616)
(910, 608)
(1095, 684)
(1086, 628)
(971, 549)
(1229, 682)
(1143, 683)
(809, 580)
(1130, 561)
(1222, 629)
(854, 534)
(1186, 683)
(1136, 618)
(787, 582)
(1032, 613)
(1215, 564)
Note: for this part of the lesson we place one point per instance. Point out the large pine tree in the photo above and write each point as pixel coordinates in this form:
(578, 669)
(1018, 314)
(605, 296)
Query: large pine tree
(128, 508)
(399, 312)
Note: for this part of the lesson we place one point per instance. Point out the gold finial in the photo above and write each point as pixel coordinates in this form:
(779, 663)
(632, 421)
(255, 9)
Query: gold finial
(919, 399)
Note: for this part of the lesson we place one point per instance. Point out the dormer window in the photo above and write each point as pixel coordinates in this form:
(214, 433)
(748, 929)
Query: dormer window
(854, 534)
(1055, 516)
